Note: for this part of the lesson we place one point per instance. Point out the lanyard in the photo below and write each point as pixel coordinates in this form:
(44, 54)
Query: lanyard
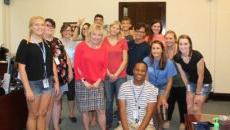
(134, 94)
(43, 50)
(156, 73)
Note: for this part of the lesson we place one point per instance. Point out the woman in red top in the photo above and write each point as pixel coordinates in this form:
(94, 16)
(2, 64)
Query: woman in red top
(156, 32)
(116, 73)
(90, 65)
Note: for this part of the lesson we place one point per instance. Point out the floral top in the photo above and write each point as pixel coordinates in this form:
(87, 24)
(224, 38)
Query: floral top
(60, 59)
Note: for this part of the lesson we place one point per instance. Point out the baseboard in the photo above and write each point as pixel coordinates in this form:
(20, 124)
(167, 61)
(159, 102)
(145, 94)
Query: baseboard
(219, 96)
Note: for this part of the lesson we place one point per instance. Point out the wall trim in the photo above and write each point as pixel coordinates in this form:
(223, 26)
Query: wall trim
(219, 96)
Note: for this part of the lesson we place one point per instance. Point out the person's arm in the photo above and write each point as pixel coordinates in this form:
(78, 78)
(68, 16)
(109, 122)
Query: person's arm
(200, 73)
(150, 109)
(163, 98)
(122, 111)
(56, 81)
(183, 75)
(25, 82)
(123, 63)
(70, 70)
(97, 83)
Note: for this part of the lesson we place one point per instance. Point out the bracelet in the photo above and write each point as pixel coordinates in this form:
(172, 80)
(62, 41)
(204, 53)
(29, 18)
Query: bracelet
(198, 93)
(188, 87)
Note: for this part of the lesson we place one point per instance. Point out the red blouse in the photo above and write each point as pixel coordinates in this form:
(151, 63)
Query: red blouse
(89, 63)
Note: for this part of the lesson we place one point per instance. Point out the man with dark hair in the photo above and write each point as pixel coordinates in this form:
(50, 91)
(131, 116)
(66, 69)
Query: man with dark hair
(98, 19)
(137, 101)
(138, 48)
(126, 28)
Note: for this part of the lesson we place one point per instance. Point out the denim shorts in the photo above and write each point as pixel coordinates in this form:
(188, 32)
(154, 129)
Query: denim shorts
(38, 88)
(206, 89)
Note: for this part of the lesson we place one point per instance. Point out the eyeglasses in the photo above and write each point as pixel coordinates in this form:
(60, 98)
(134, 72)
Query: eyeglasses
(140, 32)
(49, 26)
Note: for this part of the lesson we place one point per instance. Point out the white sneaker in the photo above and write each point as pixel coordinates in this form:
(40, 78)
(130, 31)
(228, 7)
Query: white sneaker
(182, 126)
(166, 124)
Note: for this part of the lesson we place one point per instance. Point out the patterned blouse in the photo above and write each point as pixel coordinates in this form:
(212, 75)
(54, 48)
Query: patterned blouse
(59, 53)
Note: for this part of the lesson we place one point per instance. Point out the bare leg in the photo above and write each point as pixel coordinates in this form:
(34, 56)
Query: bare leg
(56, 111)
(71, 105)
(32, 113)
(190, 101)
(198, 103)
(43, 107)
(101, 119)
(85, 119)
(93, 115)
(49, 113)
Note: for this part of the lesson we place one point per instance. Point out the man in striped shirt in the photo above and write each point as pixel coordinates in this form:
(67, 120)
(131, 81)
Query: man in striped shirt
(137, 101)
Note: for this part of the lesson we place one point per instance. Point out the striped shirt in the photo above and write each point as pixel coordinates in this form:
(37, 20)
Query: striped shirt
(144, 94)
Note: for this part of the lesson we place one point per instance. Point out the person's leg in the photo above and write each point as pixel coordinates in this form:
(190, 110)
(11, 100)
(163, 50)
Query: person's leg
(171, 102)
(32, 106)
(171, 105)
(117, 86)
(109, 94)
(43, 107)
(85, 119)
(101, 119)
(71, 100)
(93, 118)
(199, 100)
(49, 112)
(181, 100)
(56, 113)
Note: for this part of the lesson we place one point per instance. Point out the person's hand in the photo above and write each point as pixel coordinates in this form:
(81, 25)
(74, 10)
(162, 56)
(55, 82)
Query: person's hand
(162, 102)
(96, 84)
(87, 84)
(56, 89)
(70, 77)
(30, 95)
(113, 77)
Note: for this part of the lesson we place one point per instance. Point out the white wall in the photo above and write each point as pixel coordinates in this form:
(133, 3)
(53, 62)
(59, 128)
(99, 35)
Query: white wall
(206, 21)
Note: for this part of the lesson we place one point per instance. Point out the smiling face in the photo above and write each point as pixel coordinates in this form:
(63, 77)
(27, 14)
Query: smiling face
(85, 29)
(49, 29)
(156, 50)
(37, 26)
(115, 29)
(184, 46)
(125, 25)
(170, 39)
(96, 37)
(67, 33)
(139, 72)
(140, 33)
(156, 28)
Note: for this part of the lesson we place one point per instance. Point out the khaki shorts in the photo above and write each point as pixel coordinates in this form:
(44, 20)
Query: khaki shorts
(135, 127)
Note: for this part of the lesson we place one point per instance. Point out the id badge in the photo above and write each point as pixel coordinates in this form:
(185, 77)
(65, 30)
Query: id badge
(45, 83)
(135, 116)
(56, 60)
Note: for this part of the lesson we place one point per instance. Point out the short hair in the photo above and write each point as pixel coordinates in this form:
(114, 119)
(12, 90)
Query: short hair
(171, 32)
(98, 15)
(141, 62)
(126, 18)
(51, 21)
(64, 27)
(94, 27)
(140, 25)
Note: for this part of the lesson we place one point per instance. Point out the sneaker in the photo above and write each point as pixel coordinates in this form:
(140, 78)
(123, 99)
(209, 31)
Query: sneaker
(166, 124)
(182, 126)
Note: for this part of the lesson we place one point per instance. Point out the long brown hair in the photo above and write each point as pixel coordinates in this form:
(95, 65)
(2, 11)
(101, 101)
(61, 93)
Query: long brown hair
(163, 59)
(184, 36)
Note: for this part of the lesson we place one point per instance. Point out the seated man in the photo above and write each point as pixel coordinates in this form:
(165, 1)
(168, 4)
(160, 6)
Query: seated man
(137, 101)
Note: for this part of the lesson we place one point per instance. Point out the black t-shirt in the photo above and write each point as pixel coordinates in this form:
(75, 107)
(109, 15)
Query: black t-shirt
(30, 54)
(191, 67)
(136, 53)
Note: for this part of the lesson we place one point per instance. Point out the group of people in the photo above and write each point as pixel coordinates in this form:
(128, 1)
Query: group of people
(142, 72)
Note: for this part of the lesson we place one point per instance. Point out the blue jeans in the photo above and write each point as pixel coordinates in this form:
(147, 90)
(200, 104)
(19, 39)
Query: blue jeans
(38, 88)
(206, 89)
(111, 90)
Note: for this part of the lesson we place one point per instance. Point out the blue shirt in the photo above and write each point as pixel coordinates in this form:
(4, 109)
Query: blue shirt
(158, 77)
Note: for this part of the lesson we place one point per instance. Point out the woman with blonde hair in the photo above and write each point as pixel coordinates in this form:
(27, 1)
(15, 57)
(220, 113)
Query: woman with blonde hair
(116, 73)
(90, 65)
(37, 71)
